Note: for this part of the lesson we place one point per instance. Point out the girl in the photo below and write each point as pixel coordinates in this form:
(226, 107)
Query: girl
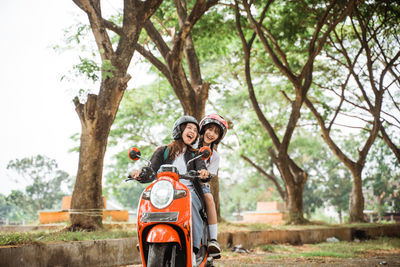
(212, 129)
(185, 133)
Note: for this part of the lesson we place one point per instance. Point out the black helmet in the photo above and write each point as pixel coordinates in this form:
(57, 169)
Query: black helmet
(177, 131)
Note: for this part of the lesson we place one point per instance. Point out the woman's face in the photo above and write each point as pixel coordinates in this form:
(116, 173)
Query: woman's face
(211, 134)
(189, 134)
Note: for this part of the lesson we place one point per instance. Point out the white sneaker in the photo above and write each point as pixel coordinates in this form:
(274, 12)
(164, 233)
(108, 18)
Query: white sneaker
(213, 249)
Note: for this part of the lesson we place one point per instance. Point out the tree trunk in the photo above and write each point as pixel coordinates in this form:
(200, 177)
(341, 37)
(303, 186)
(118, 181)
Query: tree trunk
(295, 179)
(295, 204)
(214, 184)
(96, 120)
(87, 200)
(356, 198)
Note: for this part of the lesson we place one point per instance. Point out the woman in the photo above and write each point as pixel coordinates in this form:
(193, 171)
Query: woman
(213, 128)
(185, 133)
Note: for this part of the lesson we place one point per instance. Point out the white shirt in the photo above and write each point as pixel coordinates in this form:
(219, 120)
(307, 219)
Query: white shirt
(180, 164)
(213, 165)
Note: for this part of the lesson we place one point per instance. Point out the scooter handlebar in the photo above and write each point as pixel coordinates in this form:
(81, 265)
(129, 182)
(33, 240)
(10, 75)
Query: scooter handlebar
(191, 175)
(146, 175)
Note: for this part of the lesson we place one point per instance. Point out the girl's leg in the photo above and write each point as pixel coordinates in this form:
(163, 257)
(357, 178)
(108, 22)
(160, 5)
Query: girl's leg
(210, 209)
(213, 245)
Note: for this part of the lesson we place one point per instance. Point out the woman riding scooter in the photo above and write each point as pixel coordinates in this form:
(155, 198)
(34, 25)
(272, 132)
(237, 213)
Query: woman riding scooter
(213, 128)
(185, 133)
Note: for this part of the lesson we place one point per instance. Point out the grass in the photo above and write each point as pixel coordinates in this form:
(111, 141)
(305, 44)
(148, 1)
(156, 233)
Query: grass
(21, 238)
(341, 249)
(358, 248)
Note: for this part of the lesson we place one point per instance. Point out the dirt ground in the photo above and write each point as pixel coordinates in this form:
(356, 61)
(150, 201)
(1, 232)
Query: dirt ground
(260, 259)
(257, 258)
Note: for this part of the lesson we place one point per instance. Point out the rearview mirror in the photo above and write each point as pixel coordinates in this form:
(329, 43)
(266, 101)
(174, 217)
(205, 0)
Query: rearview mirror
(205, 152)
(134, 153)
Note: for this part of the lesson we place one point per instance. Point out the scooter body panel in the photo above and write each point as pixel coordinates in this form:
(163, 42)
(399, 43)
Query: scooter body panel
(171, 224)
(162, 233)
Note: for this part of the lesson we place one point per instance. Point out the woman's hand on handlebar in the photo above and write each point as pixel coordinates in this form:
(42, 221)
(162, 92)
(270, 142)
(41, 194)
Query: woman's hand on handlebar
(203, 174)
(136, 175)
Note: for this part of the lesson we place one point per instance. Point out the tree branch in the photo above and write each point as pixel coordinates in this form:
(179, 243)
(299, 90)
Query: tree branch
(93, 10)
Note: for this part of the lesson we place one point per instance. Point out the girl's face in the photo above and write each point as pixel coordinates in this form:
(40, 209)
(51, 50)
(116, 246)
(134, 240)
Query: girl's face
(211, 134)
(189, 134)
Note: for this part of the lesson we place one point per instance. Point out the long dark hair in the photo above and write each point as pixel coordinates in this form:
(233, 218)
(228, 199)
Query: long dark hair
(176, 147)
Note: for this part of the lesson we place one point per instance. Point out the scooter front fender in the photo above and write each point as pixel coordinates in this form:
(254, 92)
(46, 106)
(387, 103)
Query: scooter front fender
(163, 233)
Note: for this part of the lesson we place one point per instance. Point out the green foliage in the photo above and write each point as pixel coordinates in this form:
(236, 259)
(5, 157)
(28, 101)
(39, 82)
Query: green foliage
(382, 179)
(217, 29)
(76, 33)
(338, 187)
(11, 207)
(45, 190)
(144, 119)
(107, 69)
(89, 68)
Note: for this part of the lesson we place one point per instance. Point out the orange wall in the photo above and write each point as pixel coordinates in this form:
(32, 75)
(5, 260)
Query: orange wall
(63, 216)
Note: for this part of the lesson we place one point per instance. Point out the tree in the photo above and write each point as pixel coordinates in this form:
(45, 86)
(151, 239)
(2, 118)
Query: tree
(46, 188)
(3, 206)
(382, 178)
(381, 21)
(172, 39)
(98, 112)
(367, 67)
(11, 208)
(338, 188)
(17, 208)
(309, 25)
(145, 122)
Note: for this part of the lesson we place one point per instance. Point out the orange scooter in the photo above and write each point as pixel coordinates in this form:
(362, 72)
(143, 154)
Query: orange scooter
(164, 218)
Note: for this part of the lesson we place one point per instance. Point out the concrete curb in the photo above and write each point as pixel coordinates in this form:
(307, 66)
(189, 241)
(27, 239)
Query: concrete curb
(110, 252)
(117, 252)
(297, 237)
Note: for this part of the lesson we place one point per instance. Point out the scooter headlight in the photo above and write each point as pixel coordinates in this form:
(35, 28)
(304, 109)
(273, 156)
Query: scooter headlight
(162, 194)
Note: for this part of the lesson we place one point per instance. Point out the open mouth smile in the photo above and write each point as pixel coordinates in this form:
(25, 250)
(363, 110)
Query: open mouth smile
(210, 138)
(190, 136)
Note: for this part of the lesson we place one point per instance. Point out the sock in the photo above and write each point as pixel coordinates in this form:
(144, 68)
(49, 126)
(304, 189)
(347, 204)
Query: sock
(213, 229)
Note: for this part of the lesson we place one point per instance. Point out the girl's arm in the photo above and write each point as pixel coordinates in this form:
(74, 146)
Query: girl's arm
(156, 161)
(158, 158)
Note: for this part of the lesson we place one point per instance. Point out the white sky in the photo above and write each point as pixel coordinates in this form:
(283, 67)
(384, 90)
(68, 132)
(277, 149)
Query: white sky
(37, 114)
